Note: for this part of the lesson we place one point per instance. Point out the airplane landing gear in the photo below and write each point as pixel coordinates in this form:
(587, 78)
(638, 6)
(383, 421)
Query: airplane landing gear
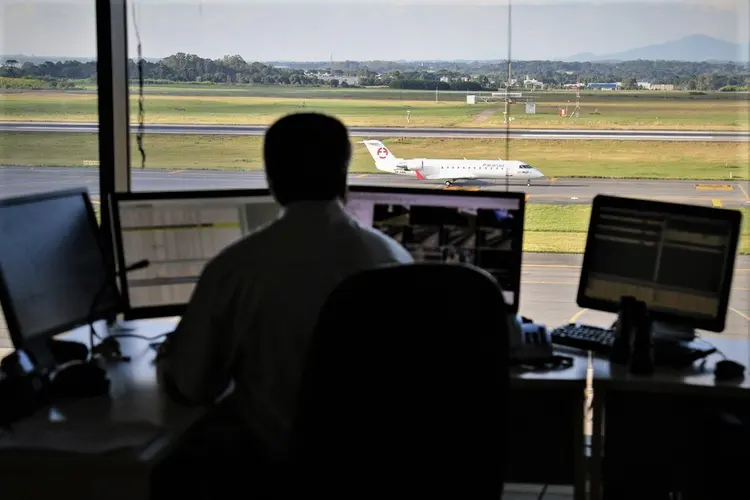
(448, 183)
(528, 183)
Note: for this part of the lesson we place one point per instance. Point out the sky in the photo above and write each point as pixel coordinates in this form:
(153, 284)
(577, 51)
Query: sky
(304, 30)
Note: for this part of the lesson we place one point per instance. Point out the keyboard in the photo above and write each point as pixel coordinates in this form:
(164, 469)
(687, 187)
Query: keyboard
(588, 338)
(675, 354)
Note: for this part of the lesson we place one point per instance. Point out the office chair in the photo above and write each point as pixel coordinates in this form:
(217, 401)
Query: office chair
(406, 387)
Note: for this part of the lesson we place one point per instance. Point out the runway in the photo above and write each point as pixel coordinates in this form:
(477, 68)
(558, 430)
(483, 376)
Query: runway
(414, 132)
(16, 181)
(548, 288)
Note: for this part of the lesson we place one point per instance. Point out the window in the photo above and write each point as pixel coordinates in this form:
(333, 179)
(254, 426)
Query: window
(222, 67)
(48, 80)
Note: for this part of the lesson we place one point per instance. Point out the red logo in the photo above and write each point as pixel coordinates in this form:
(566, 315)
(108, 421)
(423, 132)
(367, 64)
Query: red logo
(382, 153)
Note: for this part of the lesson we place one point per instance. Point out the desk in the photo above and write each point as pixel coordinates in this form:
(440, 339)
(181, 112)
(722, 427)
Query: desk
(649, 419)
(547, 426)
(135, 399)
(546, 445)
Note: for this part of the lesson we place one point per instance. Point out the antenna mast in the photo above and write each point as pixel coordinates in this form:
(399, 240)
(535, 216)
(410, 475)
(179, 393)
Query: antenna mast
(507, 102)
(577, 111)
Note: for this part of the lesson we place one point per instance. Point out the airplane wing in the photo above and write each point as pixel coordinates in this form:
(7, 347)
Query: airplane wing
(451, 177)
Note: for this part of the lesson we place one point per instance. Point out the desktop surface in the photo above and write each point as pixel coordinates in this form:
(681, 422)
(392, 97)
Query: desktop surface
(135, 404)
(697, 379)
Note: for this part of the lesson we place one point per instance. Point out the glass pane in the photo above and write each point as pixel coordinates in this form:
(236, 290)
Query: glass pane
(48, 82)
(586, 105)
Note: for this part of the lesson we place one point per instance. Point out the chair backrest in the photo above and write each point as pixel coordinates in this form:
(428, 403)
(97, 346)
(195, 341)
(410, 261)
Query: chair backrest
(408, 374)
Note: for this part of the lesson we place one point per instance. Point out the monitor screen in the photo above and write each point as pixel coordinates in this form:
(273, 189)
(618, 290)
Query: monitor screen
(53, 273)
(678, 259)
(480, 228)
(178, 233)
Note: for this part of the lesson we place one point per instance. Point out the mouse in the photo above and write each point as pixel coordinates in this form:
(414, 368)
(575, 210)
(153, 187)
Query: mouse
(729, 370)
(80, 380)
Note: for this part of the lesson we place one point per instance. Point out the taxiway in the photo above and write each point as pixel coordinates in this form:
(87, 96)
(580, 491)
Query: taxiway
(23, 180)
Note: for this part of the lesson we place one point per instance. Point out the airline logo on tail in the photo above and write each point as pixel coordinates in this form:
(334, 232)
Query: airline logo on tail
(386, 161)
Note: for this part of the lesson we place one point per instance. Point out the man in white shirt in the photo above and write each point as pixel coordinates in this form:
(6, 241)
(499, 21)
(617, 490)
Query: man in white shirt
(256, 304)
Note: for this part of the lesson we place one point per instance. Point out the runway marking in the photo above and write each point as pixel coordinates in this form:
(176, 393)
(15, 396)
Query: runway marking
(571, 283)
(454, 188)
(564, 266)
(740, 314)
(175, 172)
(716, 202)
(554, 179)
(549, 282)
(714, 187)
(634, 195)
(743, 192)
(527, 197)
(577, 315)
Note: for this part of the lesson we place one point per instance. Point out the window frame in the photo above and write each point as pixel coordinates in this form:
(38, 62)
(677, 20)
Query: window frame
(114, 108)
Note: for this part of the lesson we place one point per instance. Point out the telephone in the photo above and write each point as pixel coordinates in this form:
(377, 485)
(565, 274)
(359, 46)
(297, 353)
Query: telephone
(529, 340)
(531, 346)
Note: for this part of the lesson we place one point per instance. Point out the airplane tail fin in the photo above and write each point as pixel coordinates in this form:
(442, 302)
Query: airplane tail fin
(381, 154)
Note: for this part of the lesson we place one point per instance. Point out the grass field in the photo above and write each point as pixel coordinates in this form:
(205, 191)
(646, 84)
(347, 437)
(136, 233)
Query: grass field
(542, 231)
(623, 159)
(233, 105)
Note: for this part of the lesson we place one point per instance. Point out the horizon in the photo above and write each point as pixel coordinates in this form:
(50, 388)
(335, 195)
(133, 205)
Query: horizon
(459, 60)
(414, 31)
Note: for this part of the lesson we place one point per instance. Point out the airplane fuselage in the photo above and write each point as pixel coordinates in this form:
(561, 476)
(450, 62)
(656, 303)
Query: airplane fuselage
(449, 170)
(459, 169)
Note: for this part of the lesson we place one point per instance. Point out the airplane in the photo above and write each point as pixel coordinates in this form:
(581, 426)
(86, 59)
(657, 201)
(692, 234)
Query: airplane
(449, 170)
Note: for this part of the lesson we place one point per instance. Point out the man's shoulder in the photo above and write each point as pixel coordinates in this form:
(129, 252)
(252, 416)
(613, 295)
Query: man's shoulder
(379, 241)
(242, 249)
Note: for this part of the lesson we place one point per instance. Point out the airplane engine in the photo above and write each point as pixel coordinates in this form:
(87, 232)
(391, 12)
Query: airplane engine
(414, 165)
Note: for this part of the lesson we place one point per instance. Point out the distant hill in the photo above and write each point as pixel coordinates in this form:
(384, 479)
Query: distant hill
(694, 48)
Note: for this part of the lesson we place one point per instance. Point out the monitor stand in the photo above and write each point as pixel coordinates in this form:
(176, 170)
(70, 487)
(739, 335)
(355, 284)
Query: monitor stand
(672, 332)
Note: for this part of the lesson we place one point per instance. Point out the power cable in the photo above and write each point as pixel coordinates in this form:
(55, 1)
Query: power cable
(507, 103)
(141, 99)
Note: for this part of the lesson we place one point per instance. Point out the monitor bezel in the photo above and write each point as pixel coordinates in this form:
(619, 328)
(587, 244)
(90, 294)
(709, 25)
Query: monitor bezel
(102, 312)
(161, 311)
(733, 217)
(465, 193)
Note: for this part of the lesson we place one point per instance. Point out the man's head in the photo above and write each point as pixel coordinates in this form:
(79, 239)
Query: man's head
(307, 158)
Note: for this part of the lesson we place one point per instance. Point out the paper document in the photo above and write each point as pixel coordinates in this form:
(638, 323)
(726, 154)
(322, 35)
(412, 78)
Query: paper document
(80, 437)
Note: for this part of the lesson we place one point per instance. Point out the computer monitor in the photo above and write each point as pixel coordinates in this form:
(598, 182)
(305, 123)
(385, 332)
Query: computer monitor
(53, 272)
(484, 228)
(678, 259)
(178, 233)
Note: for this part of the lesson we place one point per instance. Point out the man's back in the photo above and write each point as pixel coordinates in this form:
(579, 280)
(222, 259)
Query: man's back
(263, 295)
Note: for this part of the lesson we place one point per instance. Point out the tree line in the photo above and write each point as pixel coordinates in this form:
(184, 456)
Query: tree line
(480, 75)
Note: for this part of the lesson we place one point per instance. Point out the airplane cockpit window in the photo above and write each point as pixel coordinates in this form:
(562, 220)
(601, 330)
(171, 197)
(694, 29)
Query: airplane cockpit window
(524, 166)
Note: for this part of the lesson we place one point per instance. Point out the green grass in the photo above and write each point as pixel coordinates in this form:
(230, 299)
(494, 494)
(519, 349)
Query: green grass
(543, 231)
(385, 93)
(385, 107)
(613, 159)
